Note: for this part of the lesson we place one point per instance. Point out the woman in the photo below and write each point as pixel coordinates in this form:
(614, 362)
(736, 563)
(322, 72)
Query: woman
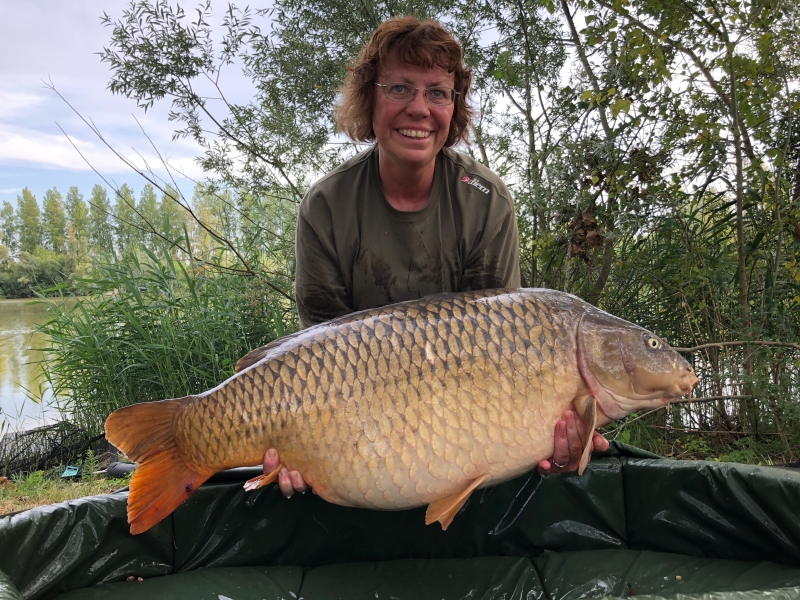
(408, 217)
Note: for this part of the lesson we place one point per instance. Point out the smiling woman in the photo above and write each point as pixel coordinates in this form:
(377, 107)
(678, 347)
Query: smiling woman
(397, 222)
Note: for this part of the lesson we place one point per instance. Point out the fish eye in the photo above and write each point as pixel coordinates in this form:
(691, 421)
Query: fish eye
(652, 342)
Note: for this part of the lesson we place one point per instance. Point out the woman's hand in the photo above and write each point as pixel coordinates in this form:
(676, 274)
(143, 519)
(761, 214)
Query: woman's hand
(289, 481)
(568, 445)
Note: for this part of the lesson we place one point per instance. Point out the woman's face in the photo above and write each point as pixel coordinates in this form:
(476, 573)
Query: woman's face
(411, 134)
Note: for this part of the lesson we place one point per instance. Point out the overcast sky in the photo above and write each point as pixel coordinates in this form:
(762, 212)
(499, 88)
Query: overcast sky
(58, 41)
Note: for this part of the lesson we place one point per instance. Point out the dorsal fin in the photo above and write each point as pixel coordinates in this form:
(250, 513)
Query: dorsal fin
(252, 357)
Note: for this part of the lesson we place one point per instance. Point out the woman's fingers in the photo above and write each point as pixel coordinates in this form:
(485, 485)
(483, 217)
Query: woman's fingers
(560, 456)
(568, 444)
(599, 442)
(285, 483)
(298, 483)
(576, 433)
(270, 461)
(289, 482)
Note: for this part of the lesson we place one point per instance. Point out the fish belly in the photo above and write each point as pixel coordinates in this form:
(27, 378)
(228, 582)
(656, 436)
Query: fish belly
(405, 406)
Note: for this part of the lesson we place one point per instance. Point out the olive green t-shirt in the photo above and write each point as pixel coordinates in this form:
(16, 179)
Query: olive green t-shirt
(355, 251)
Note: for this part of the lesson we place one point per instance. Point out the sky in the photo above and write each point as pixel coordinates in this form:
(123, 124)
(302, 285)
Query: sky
(58, 41)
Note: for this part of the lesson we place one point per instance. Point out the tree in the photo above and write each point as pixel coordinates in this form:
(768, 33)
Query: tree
(100, 228)
(77, 225)
(127, 223)
(8, 227)
(54, 222)
(147, 212)
(215, 208)
(28, 222)
(172, 216)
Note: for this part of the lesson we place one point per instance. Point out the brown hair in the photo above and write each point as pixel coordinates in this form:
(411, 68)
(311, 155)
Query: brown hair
(422, 44)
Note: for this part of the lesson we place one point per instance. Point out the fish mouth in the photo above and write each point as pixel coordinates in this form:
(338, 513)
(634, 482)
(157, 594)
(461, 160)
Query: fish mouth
(682, 388)
(687, 383)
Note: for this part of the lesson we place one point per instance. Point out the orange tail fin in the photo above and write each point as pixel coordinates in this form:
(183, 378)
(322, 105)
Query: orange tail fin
(144, 432)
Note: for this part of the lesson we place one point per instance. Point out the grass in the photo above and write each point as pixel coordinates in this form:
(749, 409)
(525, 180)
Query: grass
(24, 491)
(39, 488)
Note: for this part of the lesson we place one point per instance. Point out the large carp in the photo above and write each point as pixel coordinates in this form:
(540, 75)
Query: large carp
(415, 403)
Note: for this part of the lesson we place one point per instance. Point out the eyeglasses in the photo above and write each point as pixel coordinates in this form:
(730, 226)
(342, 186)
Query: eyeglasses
(405, 92)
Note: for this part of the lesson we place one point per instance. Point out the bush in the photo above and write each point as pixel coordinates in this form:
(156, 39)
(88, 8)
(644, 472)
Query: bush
(32, 273)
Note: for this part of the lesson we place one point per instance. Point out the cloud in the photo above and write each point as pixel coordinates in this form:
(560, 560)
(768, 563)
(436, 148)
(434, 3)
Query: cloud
(15, 103)
(29, 147)
(69, 36)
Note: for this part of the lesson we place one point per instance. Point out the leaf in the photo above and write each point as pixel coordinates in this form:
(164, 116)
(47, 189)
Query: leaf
(753, 246)
(586, 95)
(620, 105)
(753, 196)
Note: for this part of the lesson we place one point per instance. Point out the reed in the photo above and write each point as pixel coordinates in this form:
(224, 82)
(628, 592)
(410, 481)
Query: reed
(153, 328)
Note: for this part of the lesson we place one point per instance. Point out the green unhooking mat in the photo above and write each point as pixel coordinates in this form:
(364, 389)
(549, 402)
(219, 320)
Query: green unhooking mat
(633, 526)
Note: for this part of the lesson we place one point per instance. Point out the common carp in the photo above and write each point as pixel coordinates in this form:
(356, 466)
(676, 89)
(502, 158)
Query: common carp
(415, 403)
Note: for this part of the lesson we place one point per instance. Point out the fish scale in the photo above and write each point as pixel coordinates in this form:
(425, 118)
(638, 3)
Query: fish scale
(400, 406)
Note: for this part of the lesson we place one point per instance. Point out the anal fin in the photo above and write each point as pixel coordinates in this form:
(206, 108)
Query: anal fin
(587, 410)
(446, 509)
(262, 480)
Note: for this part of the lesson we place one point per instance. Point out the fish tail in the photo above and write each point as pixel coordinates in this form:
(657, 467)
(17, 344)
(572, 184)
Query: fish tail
(163, 480)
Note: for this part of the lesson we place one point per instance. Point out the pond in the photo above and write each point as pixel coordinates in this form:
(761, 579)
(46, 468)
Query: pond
(19, 376)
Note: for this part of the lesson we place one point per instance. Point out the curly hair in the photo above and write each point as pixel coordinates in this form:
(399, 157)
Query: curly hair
(421, 44)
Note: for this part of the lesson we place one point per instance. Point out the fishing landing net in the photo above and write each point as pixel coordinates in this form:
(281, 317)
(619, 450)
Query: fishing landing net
(43, 448)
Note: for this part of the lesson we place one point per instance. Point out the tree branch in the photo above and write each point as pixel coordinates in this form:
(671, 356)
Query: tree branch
(739, 343)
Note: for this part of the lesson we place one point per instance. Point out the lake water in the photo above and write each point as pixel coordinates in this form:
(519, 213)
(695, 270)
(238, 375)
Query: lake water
(18, 320)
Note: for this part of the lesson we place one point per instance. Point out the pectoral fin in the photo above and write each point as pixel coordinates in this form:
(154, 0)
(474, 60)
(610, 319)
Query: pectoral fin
(587, 410)
(262, 480)
(446, 509)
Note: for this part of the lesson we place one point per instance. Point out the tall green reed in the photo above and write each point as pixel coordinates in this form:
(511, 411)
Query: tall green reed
(153, 328)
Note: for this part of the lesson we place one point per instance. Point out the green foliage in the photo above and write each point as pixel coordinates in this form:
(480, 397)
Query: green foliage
(29, 229)
(89, 466)
(126, 220)
(100, 228)
(77, 226)
(153, 329)
(30, 272)
(8, 227)
(54, 222)
(147, 213)
(172, 217)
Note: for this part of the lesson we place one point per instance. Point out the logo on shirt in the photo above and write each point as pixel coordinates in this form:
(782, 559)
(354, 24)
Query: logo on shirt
(475, 183)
